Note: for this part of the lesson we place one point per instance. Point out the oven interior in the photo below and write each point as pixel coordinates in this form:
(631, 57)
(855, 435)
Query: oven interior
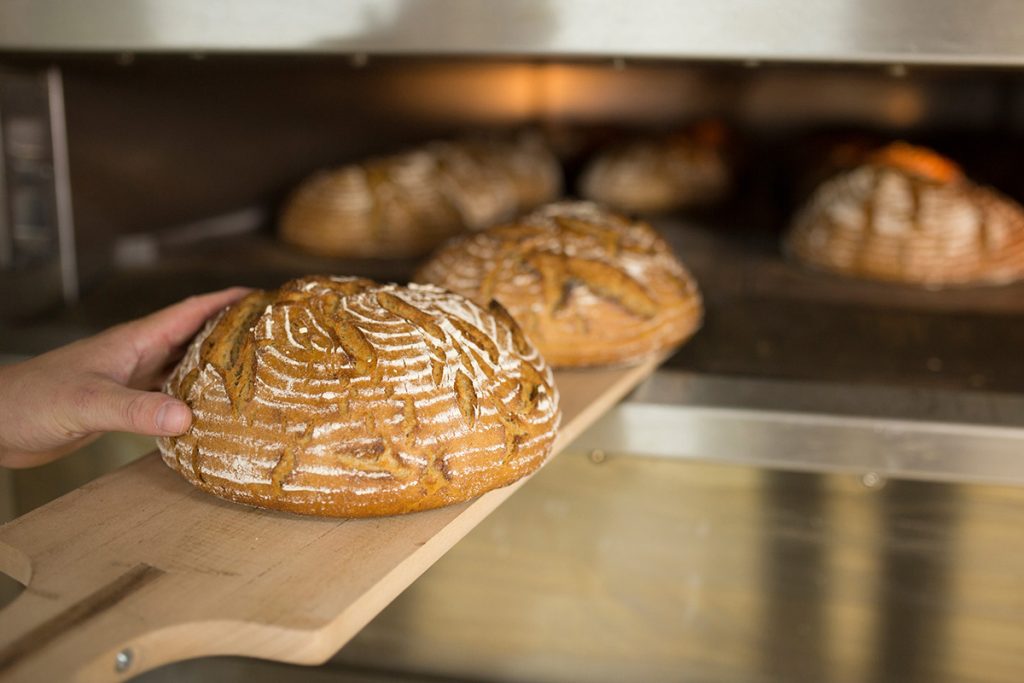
(729, 561)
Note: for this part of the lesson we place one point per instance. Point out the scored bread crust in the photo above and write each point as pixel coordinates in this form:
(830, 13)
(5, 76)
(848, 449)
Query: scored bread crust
(406, 204)
(343, 397)
(388, 207)
(589, 287)
(655, 175)
(910, 216)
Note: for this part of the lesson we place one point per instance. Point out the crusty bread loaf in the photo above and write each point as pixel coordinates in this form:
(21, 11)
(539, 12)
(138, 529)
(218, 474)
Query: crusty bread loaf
(491, 179)
(388, 207)
(588, 287)
(343, 397)
(910, 215)
(659, 174)
(405, 205)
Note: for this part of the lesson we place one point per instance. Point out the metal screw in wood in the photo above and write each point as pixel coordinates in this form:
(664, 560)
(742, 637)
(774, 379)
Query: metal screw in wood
(123, 660)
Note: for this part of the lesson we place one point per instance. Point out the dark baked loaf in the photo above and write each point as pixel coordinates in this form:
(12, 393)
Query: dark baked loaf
(404, 205)
(343, 397)
(589, 287)
(910, 215)
(661, 173)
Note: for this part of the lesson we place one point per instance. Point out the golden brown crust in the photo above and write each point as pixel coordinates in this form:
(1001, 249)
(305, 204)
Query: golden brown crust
(910, 216)
(404, 205)
(918, 161)
(659, 174)
(342, 397)
(588, 287)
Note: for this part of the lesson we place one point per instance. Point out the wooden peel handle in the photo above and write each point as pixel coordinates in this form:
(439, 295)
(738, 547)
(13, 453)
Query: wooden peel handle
(33, 626)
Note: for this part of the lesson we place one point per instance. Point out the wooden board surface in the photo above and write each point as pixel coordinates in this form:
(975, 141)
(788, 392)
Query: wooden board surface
(138, 569)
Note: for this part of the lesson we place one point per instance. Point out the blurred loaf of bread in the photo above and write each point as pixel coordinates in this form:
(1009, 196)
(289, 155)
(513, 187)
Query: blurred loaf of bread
(907, 214)
(405, 204)
(656, 174)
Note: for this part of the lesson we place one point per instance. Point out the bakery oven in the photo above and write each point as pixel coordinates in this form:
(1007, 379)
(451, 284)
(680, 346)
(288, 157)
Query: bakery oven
(824, 483)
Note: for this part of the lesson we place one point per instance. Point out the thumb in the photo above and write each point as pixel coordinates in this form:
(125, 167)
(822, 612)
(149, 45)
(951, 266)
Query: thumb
(115, 408)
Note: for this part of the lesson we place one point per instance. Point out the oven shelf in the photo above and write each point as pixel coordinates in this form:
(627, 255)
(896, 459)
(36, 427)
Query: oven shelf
(877, 433)
(928, 384)
(766, 317)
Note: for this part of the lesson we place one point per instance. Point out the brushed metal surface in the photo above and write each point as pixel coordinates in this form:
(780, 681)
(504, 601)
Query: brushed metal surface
(869, 431)
(6, 232)
(913, 31)
(63, 209)
(37, 269)
(901, 403)
(640, 569)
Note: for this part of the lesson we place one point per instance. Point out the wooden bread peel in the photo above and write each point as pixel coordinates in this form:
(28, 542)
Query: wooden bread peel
(138, 569)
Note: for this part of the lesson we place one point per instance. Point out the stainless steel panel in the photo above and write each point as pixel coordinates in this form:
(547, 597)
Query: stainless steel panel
(952, 436)
(636, 569)
(62, 186)
(912, 31)
(37, 254)
(6, 231)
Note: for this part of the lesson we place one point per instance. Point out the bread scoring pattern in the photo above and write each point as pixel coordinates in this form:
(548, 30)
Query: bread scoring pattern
(343, 397)
(588, 286)
(909, 215)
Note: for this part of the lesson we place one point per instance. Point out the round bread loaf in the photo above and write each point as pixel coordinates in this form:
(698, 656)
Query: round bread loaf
(589, 287)
(343, 397)
(655, 175)
(491, 179)
(910, 215)
(405, 205)
(389, 207)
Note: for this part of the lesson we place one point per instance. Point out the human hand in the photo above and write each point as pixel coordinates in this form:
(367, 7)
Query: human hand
(54, 403)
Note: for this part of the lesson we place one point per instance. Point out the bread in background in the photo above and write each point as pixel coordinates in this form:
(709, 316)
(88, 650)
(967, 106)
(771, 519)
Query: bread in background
(404, 205)
(342, 397)
(589, 287)
(910, 215)
(658, 174)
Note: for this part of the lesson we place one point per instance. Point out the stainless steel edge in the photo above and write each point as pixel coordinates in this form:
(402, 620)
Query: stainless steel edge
(62, 186)
(912, 31)
(878, 432)
(6, 227)
(870, 400)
